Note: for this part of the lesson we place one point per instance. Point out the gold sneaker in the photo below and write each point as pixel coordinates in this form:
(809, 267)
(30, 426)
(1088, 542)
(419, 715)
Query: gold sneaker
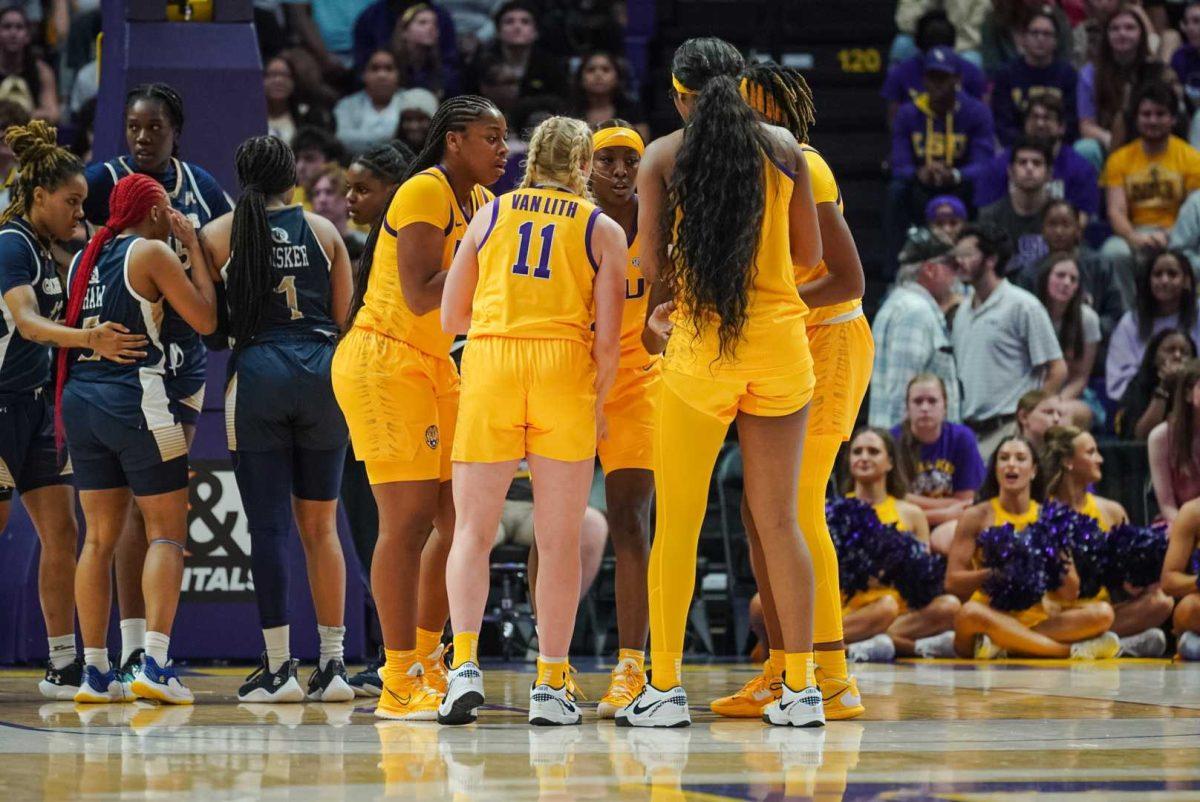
(751, 698)
(572, 686)
(625, 682)
(408, 698)
(841, 697)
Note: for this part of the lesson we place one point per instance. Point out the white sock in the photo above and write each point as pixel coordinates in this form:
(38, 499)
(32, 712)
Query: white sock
(279, 646)
(331, 644)
(97, 658)
(157, 645)
(62, 651)
(133, 637)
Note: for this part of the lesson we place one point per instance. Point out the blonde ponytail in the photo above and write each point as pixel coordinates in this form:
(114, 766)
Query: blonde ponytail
(558, 151)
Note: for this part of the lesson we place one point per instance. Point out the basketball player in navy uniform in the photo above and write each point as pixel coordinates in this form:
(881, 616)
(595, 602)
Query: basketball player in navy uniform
(153, 126)
(124, 439)
(288, 287)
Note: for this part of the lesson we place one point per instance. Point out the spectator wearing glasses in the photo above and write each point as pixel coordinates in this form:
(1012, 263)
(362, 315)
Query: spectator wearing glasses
(1037, 72)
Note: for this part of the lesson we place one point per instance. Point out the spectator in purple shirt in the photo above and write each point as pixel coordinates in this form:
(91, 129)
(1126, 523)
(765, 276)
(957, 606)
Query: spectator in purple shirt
(1072, 176)
(940, 143)
(906, 79)
(1036, 73)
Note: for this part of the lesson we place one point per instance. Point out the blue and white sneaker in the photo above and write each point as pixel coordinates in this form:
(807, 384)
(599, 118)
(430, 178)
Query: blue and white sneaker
(128, 672)
(1188, 646)
(99, 688)
(655, 708)
(802, 708)
(330, 684)
(272, 687)
(551, 707)
(368, 682)
(62, 683)
(160, 684)
(464, 695)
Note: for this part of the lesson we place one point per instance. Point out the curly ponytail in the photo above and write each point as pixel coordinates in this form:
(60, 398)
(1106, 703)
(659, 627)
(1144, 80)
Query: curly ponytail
(716, 200)
(40, 163)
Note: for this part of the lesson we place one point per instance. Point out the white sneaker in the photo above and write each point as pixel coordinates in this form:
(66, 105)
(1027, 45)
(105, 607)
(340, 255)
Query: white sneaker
(1101, 648)
(879, 649)
(797, 747)
(655, 708)
(464, 695)
(985, 649)
(1147, 643)
(549, 707)
(936, 645)
(1188, 646)
(802, 708)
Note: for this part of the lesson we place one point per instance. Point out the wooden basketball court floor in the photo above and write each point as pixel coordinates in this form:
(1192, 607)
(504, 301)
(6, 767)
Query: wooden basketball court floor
(946, 730)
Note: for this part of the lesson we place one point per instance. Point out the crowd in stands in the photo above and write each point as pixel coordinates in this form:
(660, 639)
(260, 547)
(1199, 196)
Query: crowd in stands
(1042, 228)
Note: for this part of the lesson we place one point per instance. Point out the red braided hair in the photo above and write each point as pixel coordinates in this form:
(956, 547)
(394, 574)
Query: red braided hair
(129, 203)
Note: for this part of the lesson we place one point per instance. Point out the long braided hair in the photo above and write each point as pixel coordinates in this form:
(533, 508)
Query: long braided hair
(40, 163)
(558, 150)
(781, 96)
(265, 167)
(171, 101)
(453, 115)
(129, 203)
(716, 197)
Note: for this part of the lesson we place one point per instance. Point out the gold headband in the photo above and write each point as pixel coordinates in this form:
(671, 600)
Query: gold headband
(618, 138)
(413, 11)
(679, 87)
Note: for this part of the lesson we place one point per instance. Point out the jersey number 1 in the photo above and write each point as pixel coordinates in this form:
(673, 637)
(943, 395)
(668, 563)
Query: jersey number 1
(525, 231)
(287, 286)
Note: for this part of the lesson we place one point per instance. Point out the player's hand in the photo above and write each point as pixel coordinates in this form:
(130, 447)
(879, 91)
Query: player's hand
(182, 229)
(659, 321)
(601, 424)
(113, 342)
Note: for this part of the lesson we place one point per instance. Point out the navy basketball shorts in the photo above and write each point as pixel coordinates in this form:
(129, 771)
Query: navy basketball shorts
(185, 391)
(107, 452)
(28, 459)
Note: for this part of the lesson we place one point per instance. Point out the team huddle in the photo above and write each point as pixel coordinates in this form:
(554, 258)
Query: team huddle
(626, 301)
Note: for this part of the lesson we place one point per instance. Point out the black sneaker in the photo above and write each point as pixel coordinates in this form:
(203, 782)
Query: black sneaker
(62, 683)
(368, 682)
(127, 673)
(329, 684)
(262, 686)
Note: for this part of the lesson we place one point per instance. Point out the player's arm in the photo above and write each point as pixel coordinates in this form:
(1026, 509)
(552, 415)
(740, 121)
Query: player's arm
(844, 280)
(652, 199)
(804, 232)
(961, 579)
(1177, 580)
(658, 326)
(419, 256)
(109, 340)
(612, 255)
(461, 279)
(214, 239)
(341, 274)
(189, 292)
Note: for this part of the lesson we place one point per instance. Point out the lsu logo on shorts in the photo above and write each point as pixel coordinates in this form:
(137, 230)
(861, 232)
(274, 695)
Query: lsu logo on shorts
(431, 437)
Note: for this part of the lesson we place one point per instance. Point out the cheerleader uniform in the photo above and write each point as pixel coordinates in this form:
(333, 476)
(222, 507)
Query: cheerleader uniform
(1030, 616)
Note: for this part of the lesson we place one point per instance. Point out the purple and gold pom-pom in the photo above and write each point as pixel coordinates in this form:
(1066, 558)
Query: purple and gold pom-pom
(1134, 555)
(1068, 535)
(854, 528)
(1018, 561)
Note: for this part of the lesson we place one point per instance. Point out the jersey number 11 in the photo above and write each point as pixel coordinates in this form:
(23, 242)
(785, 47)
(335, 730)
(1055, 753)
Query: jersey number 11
(525, 231)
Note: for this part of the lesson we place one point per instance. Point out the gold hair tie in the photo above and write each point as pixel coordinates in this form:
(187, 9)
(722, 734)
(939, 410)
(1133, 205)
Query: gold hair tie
(618, 138)
(679, 87)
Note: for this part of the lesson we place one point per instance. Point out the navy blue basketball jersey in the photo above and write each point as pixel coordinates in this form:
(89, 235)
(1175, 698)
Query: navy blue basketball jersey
(301, 301)
(25, 261)
(195, 194)
(134, 393)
